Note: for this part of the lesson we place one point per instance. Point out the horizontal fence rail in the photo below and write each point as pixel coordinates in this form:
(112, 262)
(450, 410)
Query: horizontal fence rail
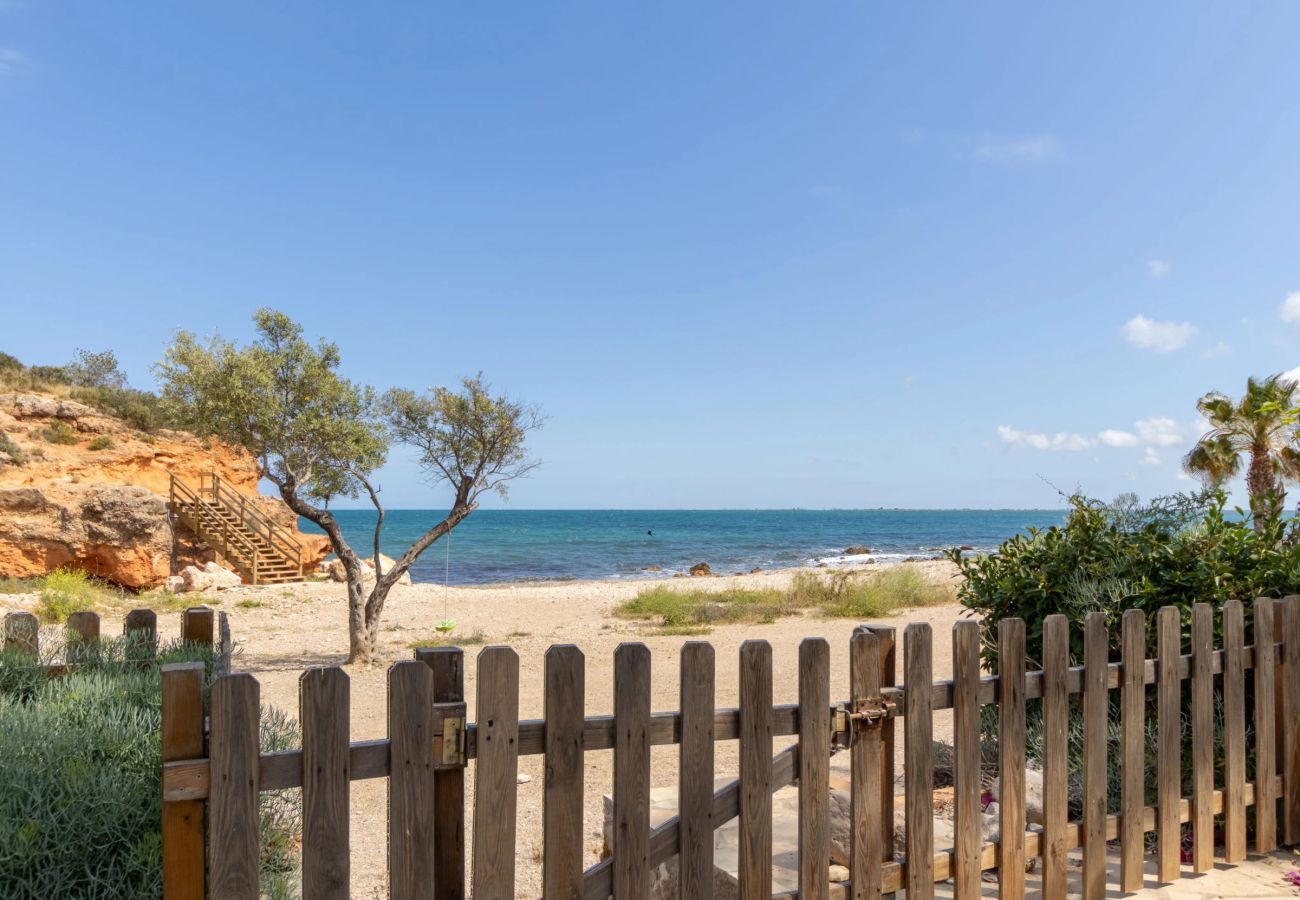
(1220, 691)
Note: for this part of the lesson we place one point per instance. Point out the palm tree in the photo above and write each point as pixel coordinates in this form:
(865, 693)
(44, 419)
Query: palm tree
(1261, 426)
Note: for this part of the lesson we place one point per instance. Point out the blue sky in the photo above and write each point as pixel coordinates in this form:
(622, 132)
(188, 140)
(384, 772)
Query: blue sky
(744, 255)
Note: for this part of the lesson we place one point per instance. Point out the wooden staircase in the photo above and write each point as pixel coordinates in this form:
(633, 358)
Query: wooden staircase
(261, 551)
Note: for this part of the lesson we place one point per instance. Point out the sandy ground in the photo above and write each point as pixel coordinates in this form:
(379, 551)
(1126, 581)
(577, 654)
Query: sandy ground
(283, 630)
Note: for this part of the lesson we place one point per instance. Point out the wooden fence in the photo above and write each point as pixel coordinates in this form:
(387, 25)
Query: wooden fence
(199, 624)
(429, 745)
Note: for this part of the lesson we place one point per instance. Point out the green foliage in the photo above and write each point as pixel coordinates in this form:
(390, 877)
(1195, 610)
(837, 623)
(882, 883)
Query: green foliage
(60, 433)
(80, 813)
(66, 591)
(283, 399)
(103, 442)
(19, 585)
(95, 370)
(1176, 551)
(855, 595)
(473, 638)
(139, 409)
(15, 453)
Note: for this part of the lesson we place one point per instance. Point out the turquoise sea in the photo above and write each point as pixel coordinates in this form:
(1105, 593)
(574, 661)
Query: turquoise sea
(529, 545)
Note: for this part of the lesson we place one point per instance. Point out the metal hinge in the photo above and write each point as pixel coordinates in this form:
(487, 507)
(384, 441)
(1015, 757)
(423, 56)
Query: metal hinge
(449, 736)
(850, 720)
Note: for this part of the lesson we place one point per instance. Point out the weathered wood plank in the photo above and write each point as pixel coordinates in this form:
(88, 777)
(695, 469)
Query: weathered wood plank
(1056, 744)
(755, 852)
(1096, 708)
(83, 631)
(1290, 715)
(966, 758)
(566, 694)
(695, 763)
(1265, 745)
(198, 625)
(184, 868)
(888, 640)
(632, 771)
(1234, 732)
(1202, 738)
(814, 767)
(324, 702)
(140, 627)
(22, 633)
(1133, 641)
(1169, 728)
(1011, 759)
(410, 782)
(918, 762)
(448, 667)
(232, 806)
(497, 772)
(865, 770)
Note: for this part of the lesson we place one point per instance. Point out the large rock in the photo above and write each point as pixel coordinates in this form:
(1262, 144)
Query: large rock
(117, 532)
(701, 569)
(211, 577)
(336, 571)
(857, 550)
(1033, 795)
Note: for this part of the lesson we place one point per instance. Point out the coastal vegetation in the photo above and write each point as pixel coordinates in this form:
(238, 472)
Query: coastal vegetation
(92, 378)
(847, 594)
(66, 590)
(318, 436)
(80, 786)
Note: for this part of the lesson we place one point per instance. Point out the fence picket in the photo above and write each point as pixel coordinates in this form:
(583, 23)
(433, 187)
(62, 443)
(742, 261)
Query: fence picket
(966, 759)
(1096, 709)
(864, 770)
(1265, 729)
(448, 667)
(232, 804)
(82, 630)
(695, 764)
(755, 851)
(565, 678)
(198, 625)
(1289, 715)
(814, 768)
(887, 638)
(495, 790)
(182, 820)
(324, 710)
(1132, 748)
(1011, 759)
(141, 630)
(410, 781)
(918, 760)
(1234, 733)
(1056, 761)
(23, 633)
(1202, 738)
(1169, 726)
(632, 771)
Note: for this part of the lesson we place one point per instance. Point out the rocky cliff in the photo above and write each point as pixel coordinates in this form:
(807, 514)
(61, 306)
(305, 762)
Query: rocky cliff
(81, 488)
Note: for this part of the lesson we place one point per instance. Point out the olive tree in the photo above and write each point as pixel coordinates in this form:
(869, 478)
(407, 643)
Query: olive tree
(318, 436)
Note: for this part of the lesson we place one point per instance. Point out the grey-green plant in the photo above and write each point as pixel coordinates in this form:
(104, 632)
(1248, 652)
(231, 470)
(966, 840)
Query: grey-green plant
(318, 436)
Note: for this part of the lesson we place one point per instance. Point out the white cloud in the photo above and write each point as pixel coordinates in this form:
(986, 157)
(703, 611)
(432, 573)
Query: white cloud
(1114, 438)
(1292, 374)
(1219, 349)
(1062, 440)
(1162, 337)
(1158, 268)
(1150, 457)
(1290, 308)
(1159, 431)
(1032, 149)
(11, 61)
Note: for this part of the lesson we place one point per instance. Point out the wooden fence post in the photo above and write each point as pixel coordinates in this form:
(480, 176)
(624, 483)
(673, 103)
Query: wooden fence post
(232, 799)
(566, 692)
(1056, 753)
(448, 664)
(1265, 728)
(183, 842)
(410, 782)
(497, 774)
(814, 768)
(1234, 732)
(1011, 759)
(23, 633)
(886, 637)
(1096, 712)
(966, 759)
(695, 764)
(918, 760)
(755, 835)
(82, 633)
(324, 708)
(865, 769)
(1169, 727)
(141, 631)
(1202, 807)
(197, 625)
(1290, 714)
(1133, 744)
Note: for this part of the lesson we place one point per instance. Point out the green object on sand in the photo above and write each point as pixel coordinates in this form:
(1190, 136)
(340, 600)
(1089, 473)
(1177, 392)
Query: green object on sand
(445, 626)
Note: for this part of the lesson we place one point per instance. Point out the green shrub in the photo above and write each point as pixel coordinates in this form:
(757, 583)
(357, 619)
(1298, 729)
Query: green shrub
(66, 591)
(103, 442)
(80, 812)
(15, 453)
(867, 596)
(139, 409)
(60, 433)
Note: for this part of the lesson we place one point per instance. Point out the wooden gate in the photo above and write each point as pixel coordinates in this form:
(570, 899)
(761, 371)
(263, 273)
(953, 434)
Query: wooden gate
(430, 744)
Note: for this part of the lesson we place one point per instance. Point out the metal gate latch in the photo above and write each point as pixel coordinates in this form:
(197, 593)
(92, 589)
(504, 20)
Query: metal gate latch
(862, 715)
(449, 736)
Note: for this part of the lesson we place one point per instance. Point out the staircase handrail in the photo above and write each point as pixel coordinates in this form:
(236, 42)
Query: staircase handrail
(227, 536)
(256, 520)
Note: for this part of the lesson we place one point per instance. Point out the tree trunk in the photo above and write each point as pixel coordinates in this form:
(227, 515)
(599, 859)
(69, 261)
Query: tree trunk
(360, 648)
(1264, 488)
